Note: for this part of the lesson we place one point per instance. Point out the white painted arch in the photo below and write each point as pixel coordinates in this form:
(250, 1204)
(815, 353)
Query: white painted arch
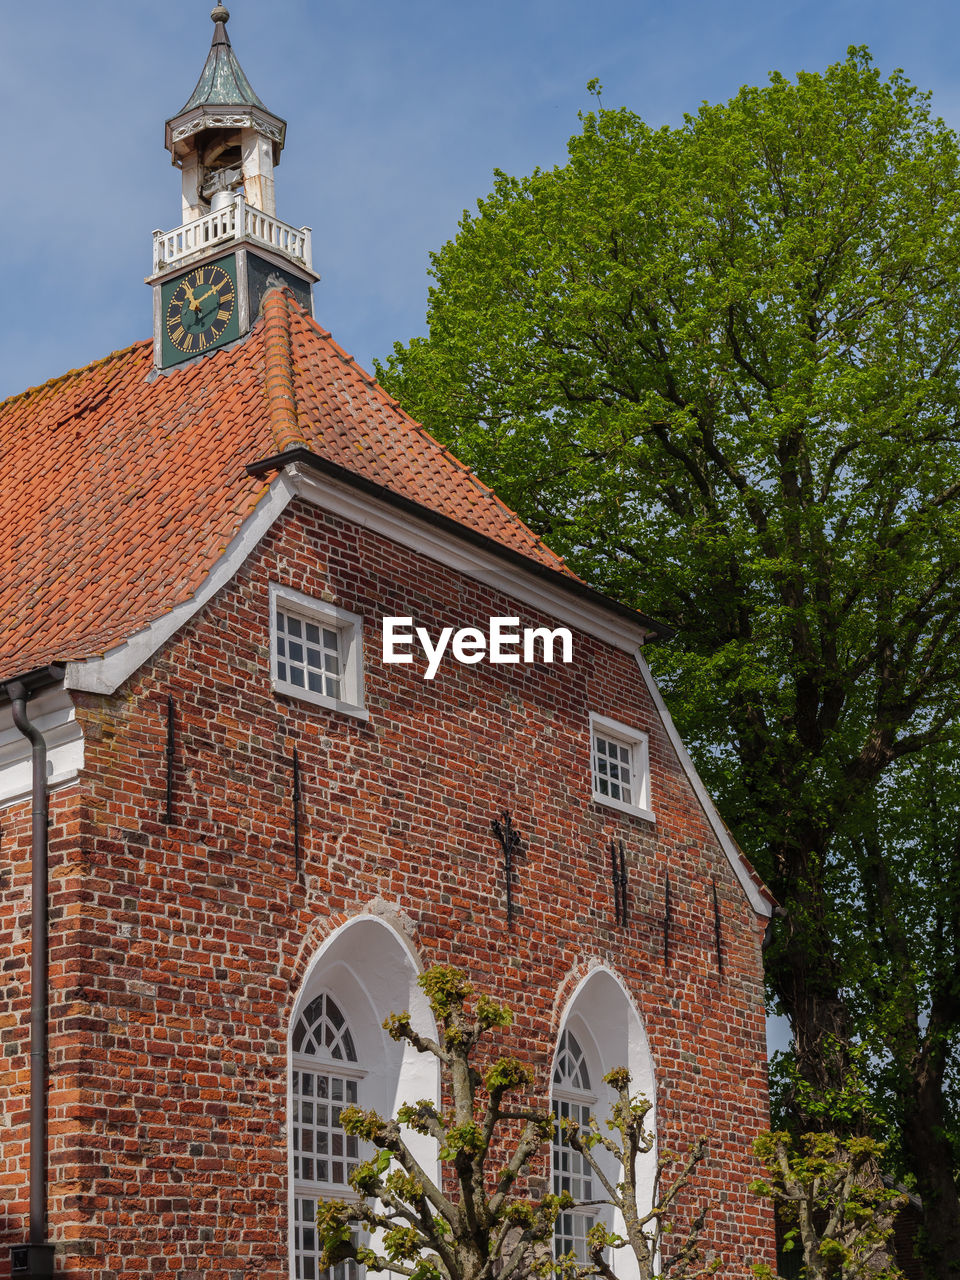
(370, 968)
(603, 1016)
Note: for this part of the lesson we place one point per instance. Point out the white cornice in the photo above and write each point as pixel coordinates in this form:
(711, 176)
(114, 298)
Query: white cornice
(760, 903)
(103, 675)
(53, 713)
(106, 673)
(482, 566)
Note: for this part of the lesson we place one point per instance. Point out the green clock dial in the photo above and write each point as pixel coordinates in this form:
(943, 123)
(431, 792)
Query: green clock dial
(200, 309)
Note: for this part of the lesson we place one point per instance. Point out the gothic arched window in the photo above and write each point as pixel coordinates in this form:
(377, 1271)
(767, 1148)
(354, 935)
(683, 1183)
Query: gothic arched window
(326, 1079)
(601, 1030)
(571, 1099)
(339, 1054)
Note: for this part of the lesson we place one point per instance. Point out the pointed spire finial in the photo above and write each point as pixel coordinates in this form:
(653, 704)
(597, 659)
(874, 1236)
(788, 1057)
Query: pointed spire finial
(220, 14)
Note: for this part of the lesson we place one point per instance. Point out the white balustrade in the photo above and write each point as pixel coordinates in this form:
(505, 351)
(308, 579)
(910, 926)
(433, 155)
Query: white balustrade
(236, 221)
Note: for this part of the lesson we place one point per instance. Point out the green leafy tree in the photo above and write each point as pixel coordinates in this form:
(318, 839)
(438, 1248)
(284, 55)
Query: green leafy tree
(834, 1207)
(837, 1211)
(897, 881)
(716, 366)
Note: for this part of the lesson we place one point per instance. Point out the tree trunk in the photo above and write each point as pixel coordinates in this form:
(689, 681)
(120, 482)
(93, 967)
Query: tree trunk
(931, 1158)
(803, 970)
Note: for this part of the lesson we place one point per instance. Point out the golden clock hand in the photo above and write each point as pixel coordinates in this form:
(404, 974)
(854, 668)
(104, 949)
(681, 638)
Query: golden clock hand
(203, 296)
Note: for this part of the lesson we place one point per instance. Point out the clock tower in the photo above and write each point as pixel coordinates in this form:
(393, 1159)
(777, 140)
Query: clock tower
(211, 272)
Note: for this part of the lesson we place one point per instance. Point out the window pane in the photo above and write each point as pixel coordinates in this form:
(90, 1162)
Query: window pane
(314, 665)
(319, 1091)
(613, 769)
(570, 1171)
(317, 1130)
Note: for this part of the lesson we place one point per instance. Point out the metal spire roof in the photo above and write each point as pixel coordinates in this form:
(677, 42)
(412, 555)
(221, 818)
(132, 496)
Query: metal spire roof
(222, 82)
(223, 98)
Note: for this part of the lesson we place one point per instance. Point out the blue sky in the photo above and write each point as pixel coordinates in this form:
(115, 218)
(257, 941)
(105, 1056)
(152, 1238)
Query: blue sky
(398, 115)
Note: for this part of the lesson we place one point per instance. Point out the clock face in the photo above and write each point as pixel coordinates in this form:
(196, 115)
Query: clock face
(199, 310)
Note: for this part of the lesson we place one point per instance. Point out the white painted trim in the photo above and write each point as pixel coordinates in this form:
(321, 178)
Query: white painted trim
(54, 714)
(349, 627)
(597, 966)
(105, 674)
(757, 900)
(483, 566)
(638, 1059)
(316, 979)
(638, 744)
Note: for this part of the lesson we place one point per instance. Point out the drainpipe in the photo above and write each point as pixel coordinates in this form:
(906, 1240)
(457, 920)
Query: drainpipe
(37, 1260)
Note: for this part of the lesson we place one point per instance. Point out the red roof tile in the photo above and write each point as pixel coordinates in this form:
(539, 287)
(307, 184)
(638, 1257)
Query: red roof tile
(121, 488)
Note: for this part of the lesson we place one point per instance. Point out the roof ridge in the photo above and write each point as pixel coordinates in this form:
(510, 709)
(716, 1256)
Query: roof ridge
(278, 380)
(486, 490)
(63, 378)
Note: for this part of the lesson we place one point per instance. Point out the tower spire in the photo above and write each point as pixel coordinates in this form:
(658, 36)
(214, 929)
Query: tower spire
(224, 139)
(211, 274)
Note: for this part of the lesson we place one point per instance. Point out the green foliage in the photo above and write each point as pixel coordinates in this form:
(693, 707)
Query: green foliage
(847, 1105)
(648, 1232)
(715, 367)
(415, 1227)
(507, 1074)
(486, 1230)
(837, 1210)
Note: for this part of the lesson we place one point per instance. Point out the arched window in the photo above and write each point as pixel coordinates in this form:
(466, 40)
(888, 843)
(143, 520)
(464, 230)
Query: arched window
(571, 1099)
(600, 1030)
(326, 1078)
(339, 1053)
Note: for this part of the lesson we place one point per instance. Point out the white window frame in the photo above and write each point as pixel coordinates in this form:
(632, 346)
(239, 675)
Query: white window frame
(581, 1098)
(349, 627)
(300, 1190)
(351, 1071)
(639, 748)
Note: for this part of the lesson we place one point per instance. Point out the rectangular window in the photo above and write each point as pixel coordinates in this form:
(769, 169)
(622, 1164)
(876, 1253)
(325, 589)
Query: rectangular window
(571, 1173)
(322, 1153)
(308, 655)
(306, 1248)
(316, 651)
(620, 765)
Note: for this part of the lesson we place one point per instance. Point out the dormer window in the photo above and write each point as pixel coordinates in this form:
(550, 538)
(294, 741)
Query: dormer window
(317, 652)
(620, 765)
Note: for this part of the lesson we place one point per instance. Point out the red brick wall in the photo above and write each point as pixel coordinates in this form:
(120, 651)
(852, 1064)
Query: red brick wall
(72, 936)
(179, 949)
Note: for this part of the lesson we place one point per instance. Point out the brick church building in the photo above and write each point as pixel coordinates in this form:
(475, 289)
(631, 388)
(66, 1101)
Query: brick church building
(261, 828)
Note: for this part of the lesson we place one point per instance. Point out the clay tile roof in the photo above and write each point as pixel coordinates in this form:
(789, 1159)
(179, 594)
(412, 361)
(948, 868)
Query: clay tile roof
(121, 488)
